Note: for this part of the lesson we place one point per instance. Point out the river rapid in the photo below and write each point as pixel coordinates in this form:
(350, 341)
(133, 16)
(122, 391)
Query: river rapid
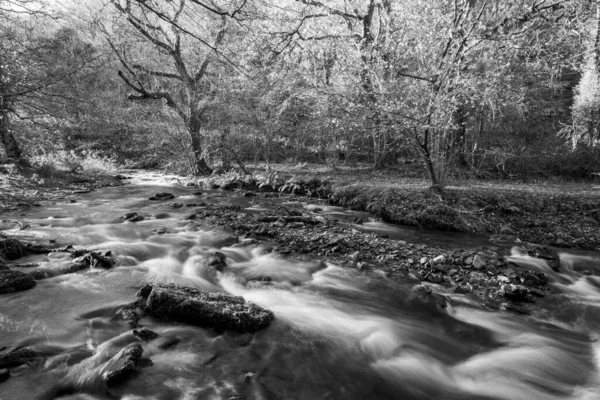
(338, 333)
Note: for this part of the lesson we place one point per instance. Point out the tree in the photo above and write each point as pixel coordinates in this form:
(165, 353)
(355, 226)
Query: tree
(585, 126)
(166, 50)
(36, 59)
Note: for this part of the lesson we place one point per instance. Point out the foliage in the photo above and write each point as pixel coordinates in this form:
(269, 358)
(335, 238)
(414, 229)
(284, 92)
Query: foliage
(471, 88)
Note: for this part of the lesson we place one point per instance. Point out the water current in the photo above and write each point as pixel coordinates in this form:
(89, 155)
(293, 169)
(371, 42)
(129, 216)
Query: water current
(337, 334)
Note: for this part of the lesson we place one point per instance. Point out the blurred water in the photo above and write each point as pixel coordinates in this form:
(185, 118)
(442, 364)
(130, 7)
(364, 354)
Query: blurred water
(338, 334)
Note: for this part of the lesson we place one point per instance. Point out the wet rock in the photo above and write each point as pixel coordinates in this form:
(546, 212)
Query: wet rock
(162, 196)
(39, 274)
(507, 230)
(18, 357)
(4, 374)
(547, 254)
(122, 177)
(94, 259)
(516, 292)
(145, 334)
(124, 365)
(514, 308)
(363, 266)
(133, 217)
(13, 249)
(560, 242)
(248, 377)
(167, 343)
(159, 231)
(463, 288)
(193, 306)
(280, 222)
(443, 268)
(216, 260)
(533, 278)
(173, 205)
(435, 278)
(75, 267)
(14, 281)
(127, 314)
(478, 262)
(249, 194)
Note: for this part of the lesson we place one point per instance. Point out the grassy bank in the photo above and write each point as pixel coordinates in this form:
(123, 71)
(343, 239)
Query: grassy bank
(51, 178)
(556, 213)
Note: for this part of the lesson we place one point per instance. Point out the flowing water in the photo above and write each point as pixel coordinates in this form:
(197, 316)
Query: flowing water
(338, 334)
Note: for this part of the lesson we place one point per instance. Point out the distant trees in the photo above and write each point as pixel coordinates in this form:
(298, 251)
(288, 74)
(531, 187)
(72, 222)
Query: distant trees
(457, 83)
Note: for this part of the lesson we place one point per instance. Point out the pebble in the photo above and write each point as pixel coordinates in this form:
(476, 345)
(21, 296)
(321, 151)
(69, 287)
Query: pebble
(478, 262)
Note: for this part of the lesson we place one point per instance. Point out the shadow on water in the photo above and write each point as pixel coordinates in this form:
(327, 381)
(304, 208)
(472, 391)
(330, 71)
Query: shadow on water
(338, 334)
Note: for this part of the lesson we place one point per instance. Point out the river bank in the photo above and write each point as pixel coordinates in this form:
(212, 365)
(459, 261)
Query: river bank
(563, 214)
(24, 187)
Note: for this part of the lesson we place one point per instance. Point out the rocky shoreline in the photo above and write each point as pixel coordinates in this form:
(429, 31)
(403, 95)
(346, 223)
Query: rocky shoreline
(482, 273)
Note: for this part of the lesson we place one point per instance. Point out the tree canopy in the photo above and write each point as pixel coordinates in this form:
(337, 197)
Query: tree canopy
(455, 84)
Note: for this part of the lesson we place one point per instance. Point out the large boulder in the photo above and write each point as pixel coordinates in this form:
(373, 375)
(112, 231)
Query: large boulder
(188, 305)
(14, 281)
(13, 249)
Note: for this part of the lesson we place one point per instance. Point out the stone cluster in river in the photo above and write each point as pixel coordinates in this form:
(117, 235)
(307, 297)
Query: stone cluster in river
(12, 280)
(482, 273)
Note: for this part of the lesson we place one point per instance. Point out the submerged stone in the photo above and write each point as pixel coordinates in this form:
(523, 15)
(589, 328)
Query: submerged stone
(14, 281)
(196, 307)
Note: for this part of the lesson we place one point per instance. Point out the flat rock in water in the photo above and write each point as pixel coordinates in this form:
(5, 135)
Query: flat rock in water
(14, 281)
(193, 306)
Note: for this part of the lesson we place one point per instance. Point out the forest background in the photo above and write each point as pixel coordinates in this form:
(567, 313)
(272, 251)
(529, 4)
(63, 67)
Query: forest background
(469, 89)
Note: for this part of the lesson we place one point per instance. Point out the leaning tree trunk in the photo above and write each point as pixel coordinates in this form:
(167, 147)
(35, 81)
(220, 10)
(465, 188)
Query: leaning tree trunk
(11, 146)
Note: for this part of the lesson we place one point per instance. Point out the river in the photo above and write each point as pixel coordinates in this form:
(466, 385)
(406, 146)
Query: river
(337, 334)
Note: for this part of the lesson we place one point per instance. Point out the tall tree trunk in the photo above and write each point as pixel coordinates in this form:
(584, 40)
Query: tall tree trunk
(194, 127)
(11, 146)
